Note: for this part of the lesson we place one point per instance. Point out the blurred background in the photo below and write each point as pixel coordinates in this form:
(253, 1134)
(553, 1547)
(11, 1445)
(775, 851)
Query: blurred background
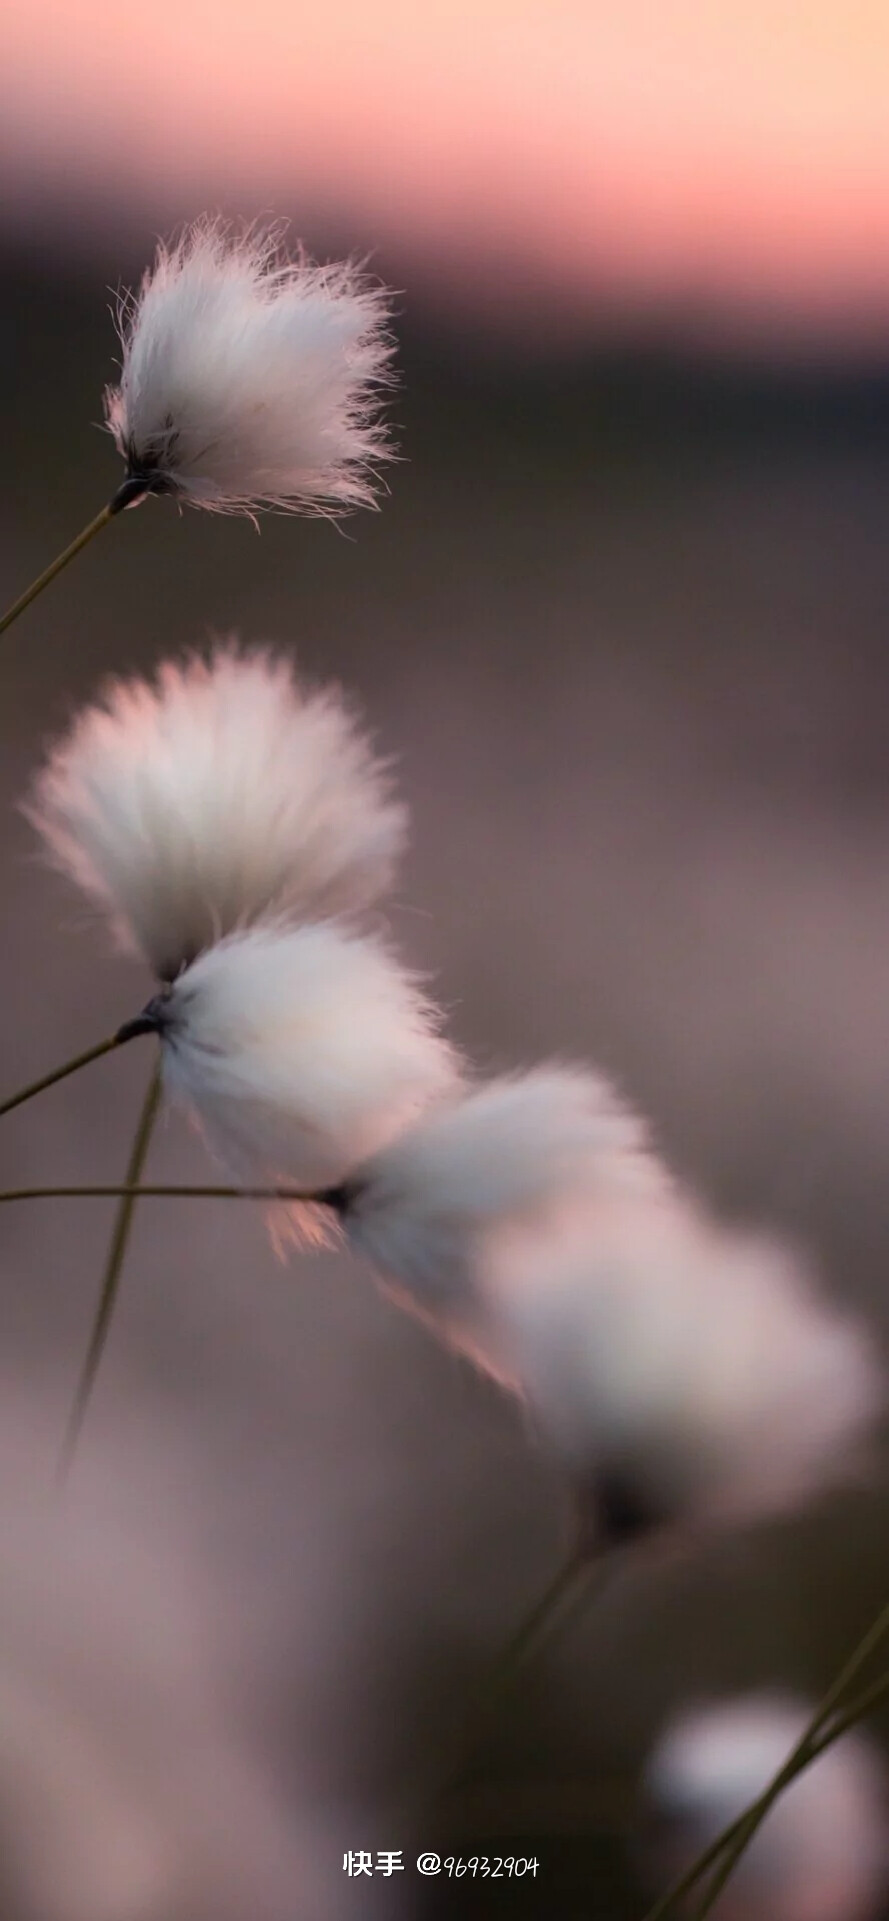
(622, 623)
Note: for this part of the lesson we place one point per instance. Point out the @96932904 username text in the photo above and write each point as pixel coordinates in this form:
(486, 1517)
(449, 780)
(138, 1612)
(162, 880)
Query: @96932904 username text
(495, 1867)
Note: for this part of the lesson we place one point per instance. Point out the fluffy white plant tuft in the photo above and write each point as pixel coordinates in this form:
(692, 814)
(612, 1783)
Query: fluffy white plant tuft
(187, 807)
(300, 1050)
(822, 1853)
(250, 378)
(695, 1371)
(675, 1368)
(509, 1149)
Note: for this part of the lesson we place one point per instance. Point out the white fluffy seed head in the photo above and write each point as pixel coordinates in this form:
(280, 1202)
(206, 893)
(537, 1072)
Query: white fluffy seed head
(300, 1051)
(187, 807)
(250, 378)
(507, 1151)
(822, 1853)
(687, 1370)
(696, 1369)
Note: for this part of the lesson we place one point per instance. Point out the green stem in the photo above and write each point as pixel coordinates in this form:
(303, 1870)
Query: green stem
(856, 1710)
(799, 1759)
(734, 1838)
(860, 1655)
(670, 1900)
(533, 1630)
(113, 1269)
(561, 1595)
(49, 573)
(60, 1073)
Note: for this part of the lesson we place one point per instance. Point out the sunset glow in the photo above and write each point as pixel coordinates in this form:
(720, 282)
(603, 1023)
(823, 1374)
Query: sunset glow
(736, 153)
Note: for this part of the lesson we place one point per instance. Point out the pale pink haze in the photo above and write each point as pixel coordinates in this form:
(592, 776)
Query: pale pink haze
(734, 154)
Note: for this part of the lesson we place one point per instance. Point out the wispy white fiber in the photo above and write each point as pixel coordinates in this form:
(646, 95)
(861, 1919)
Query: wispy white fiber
(300, 1050)
(251, 378)
(188, 806)
(697, 1371)
(822, 1853)
(506, 1150)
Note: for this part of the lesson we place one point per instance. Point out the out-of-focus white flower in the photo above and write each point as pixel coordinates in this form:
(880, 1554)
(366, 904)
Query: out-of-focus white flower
(82, 1845)
(675, 1368)
(137, 1782)
(504, 1151)
(822, 1853)
(100, 1830)
(188, 807)
(299, 1050)
(251, 379)
(684, 1369)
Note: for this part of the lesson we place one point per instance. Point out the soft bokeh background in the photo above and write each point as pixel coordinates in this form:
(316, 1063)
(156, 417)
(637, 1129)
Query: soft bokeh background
(623, 623)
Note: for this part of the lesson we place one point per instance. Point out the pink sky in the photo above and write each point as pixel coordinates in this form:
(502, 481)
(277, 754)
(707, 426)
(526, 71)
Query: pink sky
(720, 152)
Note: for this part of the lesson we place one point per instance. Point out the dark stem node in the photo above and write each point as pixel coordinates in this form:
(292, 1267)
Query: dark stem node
(152, 1020)
(338, 1199)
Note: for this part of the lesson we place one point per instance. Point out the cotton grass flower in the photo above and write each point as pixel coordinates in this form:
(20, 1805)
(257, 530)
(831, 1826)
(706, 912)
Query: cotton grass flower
(822, 1853)
(680, 1371)
(675, 1369)
(249, 379)
(189, 806)
(299, 1050)
(507, 1150)
(252, 379)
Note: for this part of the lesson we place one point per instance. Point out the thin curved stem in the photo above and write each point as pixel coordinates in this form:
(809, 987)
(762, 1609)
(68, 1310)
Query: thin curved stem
(876, 1634)
(855, 1711)
(533, 1631)
(113, 1269)
(61, 1073)
(49, 573)
(321, 1198)
(563, 1593)
(804, 1753)
(733, 1839)
(667, 1902)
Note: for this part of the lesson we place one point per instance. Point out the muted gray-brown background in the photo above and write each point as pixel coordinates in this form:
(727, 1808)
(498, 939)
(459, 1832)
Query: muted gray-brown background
(622, 622)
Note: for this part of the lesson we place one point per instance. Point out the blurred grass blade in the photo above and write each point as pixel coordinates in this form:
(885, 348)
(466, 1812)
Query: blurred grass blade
(113, 1270)
(60, 1073)
(49, 573)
